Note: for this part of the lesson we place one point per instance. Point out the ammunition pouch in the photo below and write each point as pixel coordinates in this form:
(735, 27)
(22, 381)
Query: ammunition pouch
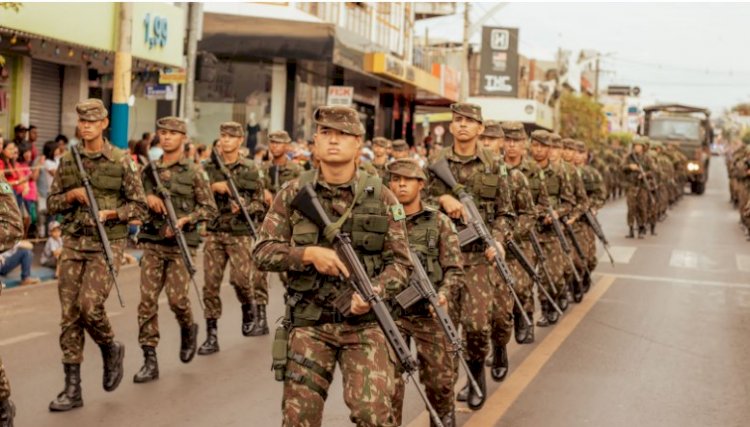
(279, 352)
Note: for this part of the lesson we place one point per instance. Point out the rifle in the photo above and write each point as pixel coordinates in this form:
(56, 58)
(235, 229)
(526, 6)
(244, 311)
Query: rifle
(93, 206)
(179, 236)
(477, 229)
(649, 187)
(274, 172)
(306, 202)
(564, 244)
(537, 247)
(597, 228)
(216, 157)
(577, 246)
(421, 288)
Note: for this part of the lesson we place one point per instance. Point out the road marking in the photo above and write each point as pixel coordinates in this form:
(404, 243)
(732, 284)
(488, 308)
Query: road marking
(22, 338)
(500, 401)
(692, 260)
(621, 254)
(743, 262)
(676, 281)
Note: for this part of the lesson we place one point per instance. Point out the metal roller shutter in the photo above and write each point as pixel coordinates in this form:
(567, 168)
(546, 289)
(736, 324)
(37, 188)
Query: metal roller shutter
(46, 100)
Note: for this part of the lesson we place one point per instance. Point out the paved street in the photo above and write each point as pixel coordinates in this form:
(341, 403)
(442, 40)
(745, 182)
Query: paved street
(661, 340)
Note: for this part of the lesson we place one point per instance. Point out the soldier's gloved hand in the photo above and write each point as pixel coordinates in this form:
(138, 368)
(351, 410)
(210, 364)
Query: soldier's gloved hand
(156, 204)
(452, 207)
(220, 187)
(324, 260)
(77, 195)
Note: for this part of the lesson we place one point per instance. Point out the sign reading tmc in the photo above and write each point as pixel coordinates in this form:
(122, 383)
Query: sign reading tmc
(498, 72)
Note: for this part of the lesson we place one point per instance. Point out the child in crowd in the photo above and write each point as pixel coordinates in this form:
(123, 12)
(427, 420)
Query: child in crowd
(53, 247)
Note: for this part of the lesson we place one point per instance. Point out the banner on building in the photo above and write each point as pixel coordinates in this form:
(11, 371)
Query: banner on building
(163, 92)
(342, 96)
(498, 72)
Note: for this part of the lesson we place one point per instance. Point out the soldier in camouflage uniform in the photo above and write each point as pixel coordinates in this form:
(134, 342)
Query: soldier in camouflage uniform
(84, 281)
(486, 296)
(11, 231)
(597, 194)
(162, 267)
(400, 149)
(433, 237)
(380, 149)
(315, 335)
(230, 238)
(638, 187)
(492, 138)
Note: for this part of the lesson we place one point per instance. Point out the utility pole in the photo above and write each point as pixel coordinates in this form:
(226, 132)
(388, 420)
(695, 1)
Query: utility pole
(464, 94)
(596, 79)
(122, 76)
(195, 29)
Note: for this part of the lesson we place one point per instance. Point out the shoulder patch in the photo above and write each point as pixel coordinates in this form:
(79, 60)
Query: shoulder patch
(541, 173)
(133, 167)
(5, 188)
(398, 212)
(503, 170)
(204, 174)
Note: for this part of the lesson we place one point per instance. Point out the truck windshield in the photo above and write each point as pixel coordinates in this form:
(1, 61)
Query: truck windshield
(674, 129)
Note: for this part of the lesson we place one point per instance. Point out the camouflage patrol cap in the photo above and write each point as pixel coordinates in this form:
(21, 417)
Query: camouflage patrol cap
(656, 143)
(465, 109)
(400, 145)
(555, 140)
(380, 141)
(406, 167)
(172, 123)
(232, 129)
(279, 136)
(492, 129)
(640, 140)
(91, 110)
(580, 146)
(343, 119)
(541, 136)
(514, 130)
(569, 143)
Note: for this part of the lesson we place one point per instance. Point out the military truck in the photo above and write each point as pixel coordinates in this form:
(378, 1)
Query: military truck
(688, 127)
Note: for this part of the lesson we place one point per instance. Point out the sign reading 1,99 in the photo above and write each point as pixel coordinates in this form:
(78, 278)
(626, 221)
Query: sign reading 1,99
(155, 31)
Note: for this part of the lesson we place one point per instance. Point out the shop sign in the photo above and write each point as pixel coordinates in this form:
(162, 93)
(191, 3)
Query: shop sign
(172, 75)
(159, 91)
(155, 30)
(341, 96)
(158, 33)
(499, 66)
(449, 81)
(396, 69)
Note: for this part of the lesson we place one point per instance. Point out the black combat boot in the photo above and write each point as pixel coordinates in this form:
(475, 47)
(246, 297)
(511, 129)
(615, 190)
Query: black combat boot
(150, 369)
(499, 364)
(586, 282)
(7, 413)
(248, 317)
(188, 342)
(641, 231)
(631, 234)
(577, 291)
(520, 328)
(529, 330)
(70, 397)
(544, 321)
(211, 345)
(260, 326)
(463, 394)
(562, 301)
(653, 229)
(112, 356)
(448, 420)
(477, 371)
(552, 315)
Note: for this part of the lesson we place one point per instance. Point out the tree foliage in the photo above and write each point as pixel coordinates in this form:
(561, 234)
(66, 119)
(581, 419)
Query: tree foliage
(742, 109)
(10, 5)
(581, 118)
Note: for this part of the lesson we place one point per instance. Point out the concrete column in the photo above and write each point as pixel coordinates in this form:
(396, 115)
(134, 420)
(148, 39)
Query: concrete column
(75, 88)
(123, 71)
(278, 97)
(23, 92)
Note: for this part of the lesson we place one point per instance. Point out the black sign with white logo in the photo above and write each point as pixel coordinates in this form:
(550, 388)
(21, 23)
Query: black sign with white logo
(499, 68)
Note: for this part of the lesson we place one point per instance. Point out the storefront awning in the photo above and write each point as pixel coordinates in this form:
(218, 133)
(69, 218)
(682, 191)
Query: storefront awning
(386, 65)
(238, 30)
(513, 109)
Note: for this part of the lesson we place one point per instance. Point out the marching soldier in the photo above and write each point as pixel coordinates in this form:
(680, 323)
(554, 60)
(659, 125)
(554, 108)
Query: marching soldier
(11, 231)
(162, 267)
(380, 149)
(486, 296)
(230, 237)
(84, 283)
(579, 208)
(316, 336)
(492, 138)
(433, 237)
(637, 174)
(597, 194)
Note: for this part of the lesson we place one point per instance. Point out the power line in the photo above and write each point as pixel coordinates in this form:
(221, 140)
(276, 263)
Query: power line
(667, 67)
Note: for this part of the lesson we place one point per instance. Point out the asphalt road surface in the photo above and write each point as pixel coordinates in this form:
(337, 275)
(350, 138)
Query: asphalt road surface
(660, 340)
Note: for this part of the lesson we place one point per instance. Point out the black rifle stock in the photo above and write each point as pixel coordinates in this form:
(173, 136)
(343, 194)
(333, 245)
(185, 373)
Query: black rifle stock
(306, 201)
(477, 228)
(421, 288)
(539, 251)
(649, 186)
(564, 244)
(179, 235)
(577, 246)
(94, 212)
(233, 192)
(596, 226)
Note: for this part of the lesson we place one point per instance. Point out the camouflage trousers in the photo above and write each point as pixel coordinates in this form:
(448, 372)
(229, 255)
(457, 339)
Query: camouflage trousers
(588, 241)
(524, 284)
(638, 206)
(438, 368)
(83, 287)
(222, 248)
(4, 384)
(486, 308)
(367, 369)
(162, 269)
(259, 284)
(557, 265)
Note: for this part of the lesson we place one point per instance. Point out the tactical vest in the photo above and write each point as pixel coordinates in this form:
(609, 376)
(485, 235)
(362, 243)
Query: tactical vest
(589, 180)
(554, 184)
(310, 294)
(107, 181)
(280, 175)
(182, 194)
(424, 236)
(248, 181)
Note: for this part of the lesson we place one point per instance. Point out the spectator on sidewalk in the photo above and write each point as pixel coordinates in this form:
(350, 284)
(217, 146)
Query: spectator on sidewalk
(19, 255)
(29, 194)
(19, 134)
(32, 136)
(155, 151)
(9, 167)
(53, 247)
(51, 154)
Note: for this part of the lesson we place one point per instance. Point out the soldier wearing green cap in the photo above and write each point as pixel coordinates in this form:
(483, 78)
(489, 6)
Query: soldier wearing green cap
(637, 171)
(84, 280)
(400, 149)
(596, 192)
(230, 238)
(485, 295)
(162, 267)
(492, 137)
(380, 150)
(433, 237)
(314, 336)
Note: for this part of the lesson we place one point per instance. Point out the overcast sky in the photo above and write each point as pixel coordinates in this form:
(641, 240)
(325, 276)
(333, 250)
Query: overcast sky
(695, 53)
